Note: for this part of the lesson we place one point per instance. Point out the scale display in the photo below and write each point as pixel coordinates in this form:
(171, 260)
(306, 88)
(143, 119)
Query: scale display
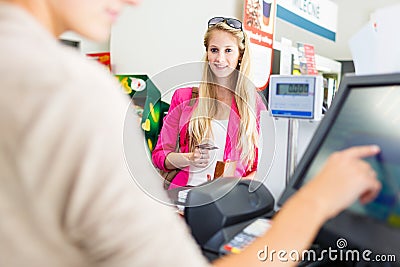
(292, 89)
(293, 96)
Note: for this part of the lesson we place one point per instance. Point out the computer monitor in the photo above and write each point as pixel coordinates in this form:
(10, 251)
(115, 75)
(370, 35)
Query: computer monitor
(366, 110)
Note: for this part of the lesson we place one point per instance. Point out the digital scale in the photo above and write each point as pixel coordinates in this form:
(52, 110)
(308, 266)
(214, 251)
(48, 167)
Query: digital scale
(295, 96)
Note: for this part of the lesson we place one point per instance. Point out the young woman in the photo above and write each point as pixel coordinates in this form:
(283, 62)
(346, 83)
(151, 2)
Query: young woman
(226, 113)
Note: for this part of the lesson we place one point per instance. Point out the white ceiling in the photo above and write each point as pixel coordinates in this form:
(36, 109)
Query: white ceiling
(352, 16)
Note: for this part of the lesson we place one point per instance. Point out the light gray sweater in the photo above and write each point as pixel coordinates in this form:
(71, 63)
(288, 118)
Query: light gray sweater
(67, 197)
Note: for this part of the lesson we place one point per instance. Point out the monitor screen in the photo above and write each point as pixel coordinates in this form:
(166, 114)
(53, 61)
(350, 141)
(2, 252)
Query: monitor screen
(365, 111)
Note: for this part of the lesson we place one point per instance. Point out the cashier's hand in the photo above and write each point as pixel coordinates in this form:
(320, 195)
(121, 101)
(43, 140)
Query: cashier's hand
(200, 158)
(345, 178)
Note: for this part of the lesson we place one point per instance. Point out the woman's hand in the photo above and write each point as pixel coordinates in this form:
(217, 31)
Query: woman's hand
(200, 158)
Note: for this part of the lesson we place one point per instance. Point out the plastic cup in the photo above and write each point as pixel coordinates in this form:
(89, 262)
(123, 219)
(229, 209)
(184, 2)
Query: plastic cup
(266, 11)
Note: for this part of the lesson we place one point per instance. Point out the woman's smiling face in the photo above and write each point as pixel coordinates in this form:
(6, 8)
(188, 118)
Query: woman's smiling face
(222, 53)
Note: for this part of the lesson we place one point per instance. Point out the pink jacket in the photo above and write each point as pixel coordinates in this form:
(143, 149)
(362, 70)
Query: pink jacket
(177, 121)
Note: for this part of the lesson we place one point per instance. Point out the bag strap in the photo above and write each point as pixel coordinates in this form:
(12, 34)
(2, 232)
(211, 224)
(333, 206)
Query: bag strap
(195, 95)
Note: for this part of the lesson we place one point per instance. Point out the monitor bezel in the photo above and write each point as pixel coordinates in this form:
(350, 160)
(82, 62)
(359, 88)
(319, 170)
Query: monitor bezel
(382, 237)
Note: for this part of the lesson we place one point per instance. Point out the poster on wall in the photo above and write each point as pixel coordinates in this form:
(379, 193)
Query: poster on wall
(103, 58)
(306, 59)
(147, 104)
(259, 24)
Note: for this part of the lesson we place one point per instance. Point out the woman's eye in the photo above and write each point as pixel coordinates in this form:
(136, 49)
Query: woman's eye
(228, 50)
(214, 50)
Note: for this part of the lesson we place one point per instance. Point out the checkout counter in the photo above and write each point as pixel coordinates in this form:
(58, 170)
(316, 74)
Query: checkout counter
(226, 214)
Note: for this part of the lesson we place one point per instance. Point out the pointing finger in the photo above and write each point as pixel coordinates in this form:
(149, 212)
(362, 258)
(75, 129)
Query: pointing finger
(362, 151)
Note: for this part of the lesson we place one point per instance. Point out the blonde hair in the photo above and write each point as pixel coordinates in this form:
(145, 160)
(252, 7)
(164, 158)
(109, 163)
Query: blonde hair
(245, 98)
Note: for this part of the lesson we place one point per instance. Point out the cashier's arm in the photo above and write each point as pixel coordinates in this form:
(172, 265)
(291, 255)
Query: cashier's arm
(345, 174)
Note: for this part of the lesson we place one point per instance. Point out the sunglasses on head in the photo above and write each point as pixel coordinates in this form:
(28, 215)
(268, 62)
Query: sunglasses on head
(233, 23)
